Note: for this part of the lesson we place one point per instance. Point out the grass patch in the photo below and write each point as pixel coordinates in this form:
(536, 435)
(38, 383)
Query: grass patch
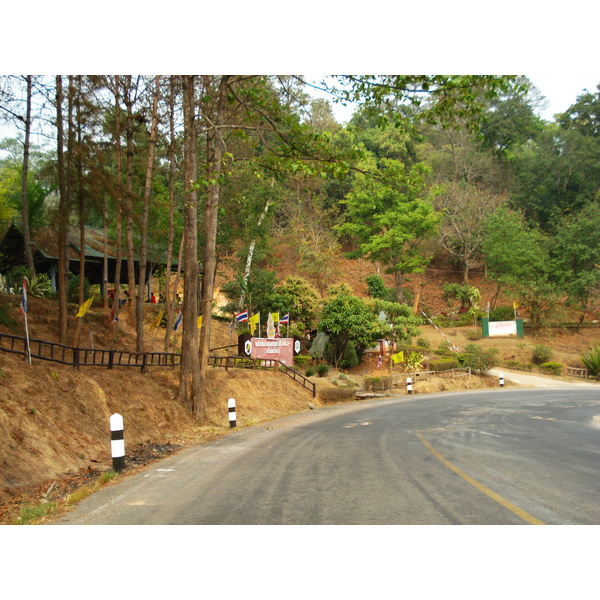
(35, 514)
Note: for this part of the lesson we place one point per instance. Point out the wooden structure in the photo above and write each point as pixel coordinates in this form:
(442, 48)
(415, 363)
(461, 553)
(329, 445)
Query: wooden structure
(45, 255)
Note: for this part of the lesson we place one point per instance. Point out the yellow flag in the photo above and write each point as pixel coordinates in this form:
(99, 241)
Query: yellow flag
(398, 357)
(515, 305)
(254, 318)
(158, 319)
(83, 308)
(199, 321)
(275, 317)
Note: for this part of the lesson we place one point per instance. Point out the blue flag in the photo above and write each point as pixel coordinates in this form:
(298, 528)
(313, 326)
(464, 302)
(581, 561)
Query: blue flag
(178, 321)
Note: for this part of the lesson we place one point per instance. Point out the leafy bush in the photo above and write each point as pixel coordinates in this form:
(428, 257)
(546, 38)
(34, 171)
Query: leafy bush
(322, 370)
(423, 343)
(591, 360)
(302, 360)
(375, 286)
(480, 360)
(39, 285)
(541, 354)
(413, 362)
(553, 368)
(502, 313)
(349, 358)
(443, 364)
(310, 371)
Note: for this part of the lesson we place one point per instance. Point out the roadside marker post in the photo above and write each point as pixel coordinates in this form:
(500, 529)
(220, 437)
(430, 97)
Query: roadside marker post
(409, 385)
(232, 416)
(117, 442)
(501, 380)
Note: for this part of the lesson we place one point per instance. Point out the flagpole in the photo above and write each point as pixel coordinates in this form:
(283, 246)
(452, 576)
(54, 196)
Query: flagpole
(27, 336)
(24, 311)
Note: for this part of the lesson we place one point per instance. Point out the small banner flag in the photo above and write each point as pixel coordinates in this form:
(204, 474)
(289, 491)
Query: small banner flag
(516, 305)
(158, 319)
(379, 362)
(199, 321)
(253, 321)
(275, 317)
(178, 321)
(285, 320)
(84, 307)
(23, 307)
(398, 357)
(242, 317)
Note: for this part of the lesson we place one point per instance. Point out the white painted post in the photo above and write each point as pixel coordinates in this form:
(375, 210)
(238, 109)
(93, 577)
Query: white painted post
(409, 385)
(501, 380)
(232, 416)
(117, 442)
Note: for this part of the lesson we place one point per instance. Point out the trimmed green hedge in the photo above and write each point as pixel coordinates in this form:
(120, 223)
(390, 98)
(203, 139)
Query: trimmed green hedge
(443, 364)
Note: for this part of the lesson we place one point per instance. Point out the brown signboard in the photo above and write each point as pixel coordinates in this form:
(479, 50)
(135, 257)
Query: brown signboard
(281, 349)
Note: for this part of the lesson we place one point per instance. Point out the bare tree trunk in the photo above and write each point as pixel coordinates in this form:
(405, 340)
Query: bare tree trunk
(168, 300)
(119, 200)
(215, 149)
(24, 176)
(189, 390)
(139, 320)
(63, 219)
(129, 197)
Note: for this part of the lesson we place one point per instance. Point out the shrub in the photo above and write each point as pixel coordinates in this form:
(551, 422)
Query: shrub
(541, 354)
(413, 362)
(502, 313)
(474, 335)
(310, 371)
(443, 364)
(591, 361)
(423, 343)
(322, 370)
(302, 360)
(375, 285)
(480, 360)
(552, 368)
(349, 358)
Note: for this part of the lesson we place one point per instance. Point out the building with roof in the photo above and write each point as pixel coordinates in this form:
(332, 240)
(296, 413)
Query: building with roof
(45, 255)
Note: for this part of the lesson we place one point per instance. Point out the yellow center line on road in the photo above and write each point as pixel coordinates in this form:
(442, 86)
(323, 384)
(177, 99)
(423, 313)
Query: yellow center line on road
(509, 505)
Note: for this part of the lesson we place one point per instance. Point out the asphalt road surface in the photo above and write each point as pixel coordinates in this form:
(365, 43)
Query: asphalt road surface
(500, 456)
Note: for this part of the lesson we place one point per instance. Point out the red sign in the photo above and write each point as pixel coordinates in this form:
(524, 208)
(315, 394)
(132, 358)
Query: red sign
(281, 349)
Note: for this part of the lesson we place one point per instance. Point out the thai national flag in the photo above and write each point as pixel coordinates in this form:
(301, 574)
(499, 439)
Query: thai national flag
(178, 321)
(285, 319)
(24, 297)
(242, 317)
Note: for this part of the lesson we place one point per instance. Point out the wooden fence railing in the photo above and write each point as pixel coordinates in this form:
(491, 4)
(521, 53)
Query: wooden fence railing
(399, 380)
(260, 363)
(87, 357)
(92, 357)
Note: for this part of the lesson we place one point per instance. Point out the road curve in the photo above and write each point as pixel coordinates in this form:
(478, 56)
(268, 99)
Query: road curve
(505, 456)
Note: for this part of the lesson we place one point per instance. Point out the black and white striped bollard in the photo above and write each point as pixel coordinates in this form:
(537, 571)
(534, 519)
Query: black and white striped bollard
(501, 380)
(117, 442)
(409, 385)
(232, 417)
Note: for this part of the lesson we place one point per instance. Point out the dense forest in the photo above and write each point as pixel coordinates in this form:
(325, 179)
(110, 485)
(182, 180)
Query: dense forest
(459, 169)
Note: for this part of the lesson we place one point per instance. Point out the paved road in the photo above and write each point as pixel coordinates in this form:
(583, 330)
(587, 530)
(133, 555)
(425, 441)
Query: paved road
(539, 381)
(488, 457)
